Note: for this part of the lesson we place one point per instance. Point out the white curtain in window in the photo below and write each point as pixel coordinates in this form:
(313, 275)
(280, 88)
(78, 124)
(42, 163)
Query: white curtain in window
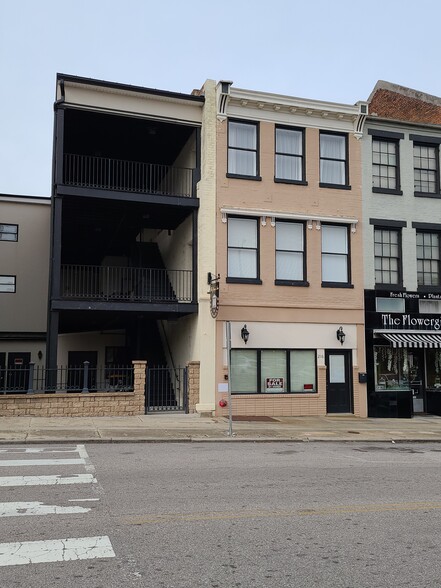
(288, 141)
(289, 266)
(289, 236)
(242, 163)
(332, 146)
(242, 135)
(244, 370)
(302, 365)
(273, 365)
(334, 254)
(333, 167)
(289, 167)
(242, 248)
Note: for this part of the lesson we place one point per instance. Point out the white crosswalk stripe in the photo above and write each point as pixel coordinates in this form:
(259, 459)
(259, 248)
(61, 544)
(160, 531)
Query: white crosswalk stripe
(14, 553)
(28, 552)
(47, 480)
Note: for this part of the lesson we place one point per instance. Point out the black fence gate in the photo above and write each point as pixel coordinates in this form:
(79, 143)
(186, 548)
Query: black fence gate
(166, 389)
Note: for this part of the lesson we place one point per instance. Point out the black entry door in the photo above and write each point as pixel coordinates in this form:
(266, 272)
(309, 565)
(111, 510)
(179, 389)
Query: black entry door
(338, 381)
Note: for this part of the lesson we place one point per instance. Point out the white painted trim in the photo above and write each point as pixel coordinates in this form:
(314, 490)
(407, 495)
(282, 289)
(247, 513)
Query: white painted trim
(289, 215)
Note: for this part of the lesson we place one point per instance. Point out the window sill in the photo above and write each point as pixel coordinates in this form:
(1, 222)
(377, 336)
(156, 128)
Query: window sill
(391, 287)
(279, 394)
(434, 289)
(303, 283)
(335, 186)
(241, 177)
(387, 191)
(295, 182)
(243, 281)
(427, 195)
(336, 285)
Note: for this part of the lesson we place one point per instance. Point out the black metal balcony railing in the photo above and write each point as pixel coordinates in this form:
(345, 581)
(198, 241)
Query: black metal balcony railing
(127, 176)
(128, 284)
(32, 379)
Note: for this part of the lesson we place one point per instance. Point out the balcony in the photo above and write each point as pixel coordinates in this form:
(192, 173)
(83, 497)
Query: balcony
(126, 284)
(84, 171)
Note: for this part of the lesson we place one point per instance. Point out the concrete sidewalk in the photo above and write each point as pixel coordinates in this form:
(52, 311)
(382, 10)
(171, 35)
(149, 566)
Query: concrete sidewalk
(171, 427)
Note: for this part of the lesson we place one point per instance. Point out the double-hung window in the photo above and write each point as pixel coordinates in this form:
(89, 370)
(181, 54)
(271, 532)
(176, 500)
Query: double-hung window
(7, 284)
(8, 232)
(334, 172)
(289, 160)
(243, 149)
(385, 165)
(273, 371)
(428, 258)
(243, 250)
(426, 168)
(335, 255)
(290, 253)
(387, 256)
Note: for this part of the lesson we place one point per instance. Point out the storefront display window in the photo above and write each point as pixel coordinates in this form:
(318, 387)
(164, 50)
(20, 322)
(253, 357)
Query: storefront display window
(273, 371)
(391, 368)
(433, 369)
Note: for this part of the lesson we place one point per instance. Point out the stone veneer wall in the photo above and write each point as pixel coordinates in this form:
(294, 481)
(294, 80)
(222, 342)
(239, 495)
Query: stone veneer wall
(78, 404)
(194, 368)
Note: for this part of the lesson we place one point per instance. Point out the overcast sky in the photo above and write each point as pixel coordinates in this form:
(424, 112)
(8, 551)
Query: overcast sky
(332, 50)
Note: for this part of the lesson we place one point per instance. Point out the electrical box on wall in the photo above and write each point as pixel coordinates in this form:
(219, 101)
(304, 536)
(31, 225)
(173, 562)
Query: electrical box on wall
(362, 377)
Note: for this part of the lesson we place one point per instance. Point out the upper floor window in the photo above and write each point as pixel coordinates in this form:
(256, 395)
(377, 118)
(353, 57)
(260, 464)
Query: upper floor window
(243, 250)
(335, 255)
(387, 256)
(290, 163)
(426, 168)
(333, 160)
(8, 232)
(7, 283)
(385, 165)
(242, 149)
(428, 258)
(290, 252)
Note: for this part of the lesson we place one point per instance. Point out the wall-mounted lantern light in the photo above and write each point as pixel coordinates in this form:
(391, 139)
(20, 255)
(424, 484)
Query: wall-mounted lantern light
(341, 335)
(245, 334)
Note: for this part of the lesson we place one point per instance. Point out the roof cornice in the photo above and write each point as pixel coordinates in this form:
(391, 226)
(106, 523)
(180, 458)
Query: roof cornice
(279, 108)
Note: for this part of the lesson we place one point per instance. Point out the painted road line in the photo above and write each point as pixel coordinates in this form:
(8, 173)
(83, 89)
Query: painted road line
(22, 509)
(39, 462)
(83, 499)
(47, 480)
(29, 552)
(38, 450)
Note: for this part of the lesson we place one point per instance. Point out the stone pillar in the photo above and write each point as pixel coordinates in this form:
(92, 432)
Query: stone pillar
(139, 376)
(193, 384)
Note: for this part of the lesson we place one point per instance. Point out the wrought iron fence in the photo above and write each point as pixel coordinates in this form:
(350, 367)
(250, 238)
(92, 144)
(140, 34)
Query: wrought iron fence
(32, 379)
(130, 284)
(166, 389)
(127, 176)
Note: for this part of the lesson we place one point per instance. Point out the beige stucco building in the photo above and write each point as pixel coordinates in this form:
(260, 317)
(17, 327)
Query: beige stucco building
(288, 253)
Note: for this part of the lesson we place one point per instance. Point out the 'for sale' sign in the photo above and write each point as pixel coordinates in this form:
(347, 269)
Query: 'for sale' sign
(274, 384)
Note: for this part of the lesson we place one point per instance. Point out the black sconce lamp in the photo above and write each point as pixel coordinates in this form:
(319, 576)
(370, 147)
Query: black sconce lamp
(341, 335)
(244, 333)
(40, 355)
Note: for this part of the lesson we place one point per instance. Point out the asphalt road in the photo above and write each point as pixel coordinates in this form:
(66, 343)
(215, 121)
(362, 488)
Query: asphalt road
(348, 515)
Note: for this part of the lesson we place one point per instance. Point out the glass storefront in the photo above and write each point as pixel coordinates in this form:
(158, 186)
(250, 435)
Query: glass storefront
(405, 368)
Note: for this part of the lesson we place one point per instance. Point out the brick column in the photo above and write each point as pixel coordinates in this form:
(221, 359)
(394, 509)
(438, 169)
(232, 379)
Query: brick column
(193, 384)
(139, 375)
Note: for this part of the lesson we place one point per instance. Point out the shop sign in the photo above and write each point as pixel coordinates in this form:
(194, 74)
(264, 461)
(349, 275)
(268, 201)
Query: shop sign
(413, 295)
(274, 384)
(408, 321)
